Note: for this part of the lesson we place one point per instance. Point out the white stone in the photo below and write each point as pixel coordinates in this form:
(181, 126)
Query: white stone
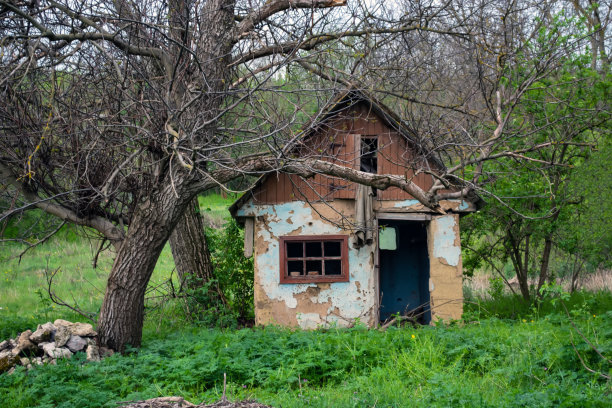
(93, 353)
(43, 333)
(78, 329)
(76, 343)
(62, 335)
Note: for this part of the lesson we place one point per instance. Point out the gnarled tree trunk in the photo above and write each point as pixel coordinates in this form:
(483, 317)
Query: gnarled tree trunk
(190, 250)
(122, 312)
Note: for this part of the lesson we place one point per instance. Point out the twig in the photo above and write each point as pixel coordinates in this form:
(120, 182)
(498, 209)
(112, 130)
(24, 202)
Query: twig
(58, 301)
(300, 384)
(224, 398)
(607, 377)
(583, 336)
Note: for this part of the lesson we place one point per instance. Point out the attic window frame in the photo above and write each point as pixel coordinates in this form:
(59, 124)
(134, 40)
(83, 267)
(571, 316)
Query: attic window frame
(343, 258)
(368, 152)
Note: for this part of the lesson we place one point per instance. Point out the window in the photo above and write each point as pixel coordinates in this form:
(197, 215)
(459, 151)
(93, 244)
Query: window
(315, 258)
(369, 156)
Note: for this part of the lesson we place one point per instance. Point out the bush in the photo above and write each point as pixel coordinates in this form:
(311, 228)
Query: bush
(492, 364)
(233, 272)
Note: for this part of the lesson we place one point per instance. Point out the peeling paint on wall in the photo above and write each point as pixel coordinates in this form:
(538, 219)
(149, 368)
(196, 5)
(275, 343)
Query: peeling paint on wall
(446, 288)
(444, 240)
(345, 301)
(312, 305)
(406, 203)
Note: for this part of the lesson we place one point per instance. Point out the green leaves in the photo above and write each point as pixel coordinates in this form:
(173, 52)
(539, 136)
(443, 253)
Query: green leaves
(493, 363)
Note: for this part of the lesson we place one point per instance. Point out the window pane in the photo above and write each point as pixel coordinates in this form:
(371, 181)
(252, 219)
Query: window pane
(313, 268)
(333, 267)
(295, 250)
(313, 249)
(297, 267)
(332, 249)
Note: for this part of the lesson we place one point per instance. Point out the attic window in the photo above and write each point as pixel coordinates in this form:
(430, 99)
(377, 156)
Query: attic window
(369, 154)
(314, 258)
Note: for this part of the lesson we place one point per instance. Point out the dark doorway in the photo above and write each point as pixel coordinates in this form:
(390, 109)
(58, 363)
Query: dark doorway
(404, 272)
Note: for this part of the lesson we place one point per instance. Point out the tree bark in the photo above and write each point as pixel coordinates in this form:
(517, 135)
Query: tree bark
(122, 312)
(545, 262)
(190, 250)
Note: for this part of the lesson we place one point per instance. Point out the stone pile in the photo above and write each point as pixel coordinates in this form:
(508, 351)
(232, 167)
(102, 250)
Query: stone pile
(50, 341)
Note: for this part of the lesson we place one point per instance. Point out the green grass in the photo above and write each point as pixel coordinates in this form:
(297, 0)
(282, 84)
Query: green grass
(514, 307)
(215, 207)
(508, 354)
(23, 282)
(489, 364)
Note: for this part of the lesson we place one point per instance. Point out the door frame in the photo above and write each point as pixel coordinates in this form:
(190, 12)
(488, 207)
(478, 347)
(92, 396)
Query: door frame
(397, 216)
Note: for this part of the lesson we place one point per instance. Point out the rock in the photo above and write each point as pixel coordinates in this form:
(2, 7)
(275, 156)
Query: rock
(76, 343)
(5, 345)
(55, 352)
(83, 330)
(7, 360)
(37, 361)
(93, 353)
(23, 342)
(47, 347)
(43, 333)
(62, 335)
(174, 402)
(62, 352)
(77, 329)
(24, 361)
(11, 371)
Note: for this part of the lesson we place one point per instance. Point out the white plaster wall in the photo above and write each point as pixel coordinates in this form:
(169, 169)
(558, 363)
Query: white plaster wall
(445, 267)
(307, 305)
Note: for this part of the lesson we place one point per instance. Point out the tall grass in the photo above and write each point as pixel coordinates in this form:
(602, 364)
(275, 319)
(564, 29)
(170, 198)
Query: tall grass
(503, 354)
(491, 363)
(23, 281)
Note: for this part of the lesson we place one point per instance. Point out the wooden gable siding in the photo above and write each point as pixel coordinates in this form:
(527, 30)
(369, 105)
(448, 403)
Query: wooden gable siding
(339, 141)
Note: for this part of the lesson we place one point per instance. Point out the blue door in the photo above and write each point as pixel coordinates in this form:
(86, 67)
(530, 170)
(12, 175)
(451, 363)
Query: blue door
(404, 272)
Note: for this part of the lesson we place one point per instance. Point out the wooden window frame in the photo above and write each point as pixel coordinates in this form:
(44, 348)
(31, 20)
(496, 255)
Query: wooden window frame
(344, 274)
(370, 155)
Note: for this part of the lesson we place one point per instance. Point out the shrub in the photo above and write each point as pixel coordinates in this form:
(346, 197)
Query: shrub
(233, 272)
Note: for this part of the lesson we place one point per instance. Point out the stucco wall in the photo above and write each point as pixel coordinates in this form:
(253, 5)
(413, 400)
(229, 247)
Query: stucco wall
(446, 283)
(341, 303)
(309, 305)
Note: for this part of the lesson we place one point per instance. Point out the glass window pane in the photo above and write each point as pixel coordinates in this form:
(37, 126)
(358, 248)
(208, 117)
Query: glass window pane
(313, 249)
(332, 249)
(295, 250)
(333, 267)
(295, 268)
(313, 268)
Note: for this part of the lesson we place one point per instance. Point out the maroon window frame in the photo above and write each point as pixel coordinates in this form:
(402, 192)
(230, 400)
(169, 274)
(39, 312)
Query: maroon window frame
(314, 258)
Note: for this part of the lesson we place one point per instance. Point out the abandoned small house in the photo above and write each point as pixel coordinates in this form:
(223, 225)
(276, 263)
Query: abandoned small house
(328, 251)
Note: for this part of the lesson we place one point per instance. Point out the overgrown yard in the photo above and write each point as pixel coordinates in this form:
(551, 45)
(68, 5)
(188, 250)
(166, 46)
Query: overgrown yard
(491, 362)
(504, 353)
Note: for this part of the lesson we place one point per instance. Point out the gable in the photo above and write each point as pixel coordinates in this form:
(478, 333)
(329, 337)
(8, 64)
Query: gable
(338, 139)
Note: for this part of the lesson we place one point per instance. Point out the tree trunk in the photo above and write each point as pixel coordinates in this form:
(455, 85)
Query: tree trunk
(190, 250)
(545, 262)
(520, 267)
(122, 312)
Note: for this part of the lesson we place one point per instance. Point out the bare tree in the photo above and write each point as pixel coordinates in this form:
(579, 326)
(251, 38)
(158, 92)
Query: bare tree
(117, 114)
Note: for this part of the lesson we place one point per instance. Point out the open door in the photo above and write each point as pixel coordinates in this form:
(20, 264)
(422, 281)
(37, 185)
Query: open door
(404, 271)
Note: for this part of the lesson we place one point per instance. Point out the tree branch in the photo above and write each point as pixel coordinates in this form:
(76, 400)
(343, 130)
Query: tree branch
(270, 8)
(100, 224)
